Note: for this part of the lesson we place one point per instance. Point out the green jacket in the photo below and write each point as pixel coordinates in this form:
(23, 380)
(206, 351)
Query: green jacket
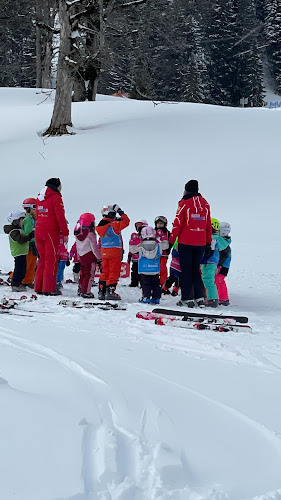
(19, 241)
(29, 224)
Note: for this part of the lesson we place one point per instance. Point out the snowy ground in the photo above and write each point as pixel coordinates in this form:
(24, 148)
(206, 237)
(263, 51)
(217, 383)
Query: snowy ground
(99, 405)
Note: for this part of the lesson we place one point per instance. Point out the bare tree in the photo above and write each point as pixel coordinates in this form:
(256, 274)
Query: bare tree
(45, 15)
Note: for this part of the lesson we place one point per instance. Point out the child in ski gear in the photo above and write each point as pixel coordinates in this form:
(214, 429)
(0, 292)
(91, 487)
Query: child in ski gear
(224, 241)
(149, 266)
(109, 230)
(88, 252)
(175, 272)
(209, 267)
(133, 255)
(76, 263)
(19, 245)
(50, 222)
(192, 226)
(63, 258)
(163, 236)
(29, 205)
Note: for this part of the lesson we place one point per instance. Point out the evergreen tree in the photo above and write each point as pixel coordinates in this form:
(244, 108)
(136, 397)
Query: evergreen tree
(272, 30)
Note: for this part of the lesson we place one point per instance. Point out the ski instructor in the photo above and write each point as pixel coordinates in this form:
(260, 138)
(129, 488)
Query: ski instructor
(50, 222)
(192, 226)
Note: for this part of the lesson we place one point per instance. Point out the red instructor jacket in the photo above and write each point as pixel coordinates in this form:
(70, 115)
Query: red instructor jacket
(50, 216)
(192, 224)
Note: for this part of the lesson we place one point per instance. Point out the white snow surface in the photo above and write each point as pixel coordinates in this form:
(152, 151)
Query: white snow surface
(100, 405)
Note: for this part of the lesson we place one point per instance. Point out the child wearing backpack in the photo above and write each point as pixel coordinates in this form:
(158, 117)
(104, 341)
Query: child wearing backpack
(19, 245)
(88, 251)
(133, 255)
(149, 266)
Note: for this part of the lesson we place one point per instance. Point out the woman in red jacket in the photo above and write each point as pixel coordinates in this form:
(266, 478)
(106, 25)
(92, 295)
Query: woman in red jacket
(192, 226)
(50, 221)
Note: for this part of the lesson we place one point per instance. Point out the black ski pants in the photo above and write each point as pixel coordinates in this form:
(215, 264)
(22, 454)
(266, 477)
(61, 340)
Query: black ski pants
(190, 281)
(150, 284)
(135, 276)
(19, 270)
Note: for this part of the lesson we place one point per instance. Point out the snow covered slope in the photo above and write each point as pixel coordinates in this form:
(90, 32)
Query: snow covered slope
(99, 405)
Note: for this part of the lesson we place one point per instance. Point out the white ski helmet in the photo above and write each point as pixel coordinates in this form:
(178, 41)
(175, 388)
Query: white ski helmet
(224, 229)
(14, 216)
(106, 209)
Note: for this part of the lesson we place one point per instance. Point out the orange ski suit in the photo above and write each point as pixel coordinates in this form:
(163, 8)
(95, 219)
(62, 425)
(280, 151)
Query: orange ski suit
(109, 231)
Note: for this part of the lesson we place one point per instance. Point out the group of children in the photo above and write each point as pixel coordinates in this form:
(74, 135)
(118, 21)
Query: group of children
(149, 249)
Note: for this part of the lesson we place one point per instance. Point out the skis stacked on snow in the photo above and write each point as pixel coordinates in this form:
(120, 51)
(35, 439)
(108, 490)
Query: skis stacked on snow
(12, 305)
(197, 321)
(104, 305)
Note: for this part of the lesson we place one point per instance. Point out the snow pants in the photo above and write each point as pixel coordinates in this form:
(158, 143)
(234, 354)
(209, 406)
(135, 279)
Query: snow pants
(31, 261)
(46, 273)
(111, 265)
(221, 286)
(19, 270)
(163, 270)
(190, 281)
(208, 276)
(61, 268)
(87, 272)
(135, 276)
(150, 284)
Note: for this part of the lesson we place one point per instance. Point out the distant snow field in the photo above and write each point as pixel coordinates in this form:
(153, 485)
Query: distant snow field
(100, 405)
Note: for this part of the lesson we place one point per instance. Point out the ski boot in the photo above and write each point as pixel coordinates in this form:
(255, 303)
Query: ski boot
(155, 301)
(102, 288)
(111, 294)
(212, 303)
(87, 295)
(186, 303)
(18, 288)
(200, 302)
(165, 290)
(224, 302)
(52, 294)
(145, 300)
(175, 291)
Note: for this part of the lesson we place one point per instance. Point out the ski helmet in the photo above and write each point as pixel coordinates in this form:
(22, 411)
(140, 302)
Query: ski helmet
(148, 232)
(14, 216)
(85, 220)
(108, 210)
(162, 218)
(29, 203)
(225, 228)
(215, 224)
(141, 223)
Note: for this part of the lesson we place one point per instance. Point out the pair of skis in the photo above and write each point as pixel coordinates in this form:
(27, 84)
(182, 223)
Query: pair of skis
(197, 321)
(104, 305)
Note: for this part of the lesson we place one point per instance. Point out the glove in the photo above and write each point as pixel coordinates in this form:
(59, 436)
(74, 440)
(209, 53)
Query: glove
(208, 251)
(129, 258)
(118, 209)
(31, 235)
(33, 248)
(67, 263)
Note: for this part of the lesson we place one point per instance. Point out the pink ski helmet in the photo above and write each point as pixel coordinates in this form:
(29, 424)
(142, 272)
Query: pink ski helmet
(85, 220)
(148, 233)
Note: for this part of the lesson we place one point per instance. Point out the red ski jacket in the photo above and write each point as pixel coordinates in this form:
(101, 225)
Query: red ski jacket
(50, 216)
(192, 224)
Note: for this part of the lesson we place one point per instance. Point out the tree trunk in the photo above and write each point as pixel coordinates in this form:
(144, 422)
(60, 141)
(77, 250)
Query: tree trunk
(38, 58)
(61, 118)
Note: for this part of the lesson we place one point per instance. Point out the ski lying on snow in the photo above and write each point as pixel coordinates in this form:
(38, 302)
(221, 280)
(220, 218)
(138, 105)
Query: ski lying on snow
(172, 312)
(204, 325)
(104, 305)
(207, 323)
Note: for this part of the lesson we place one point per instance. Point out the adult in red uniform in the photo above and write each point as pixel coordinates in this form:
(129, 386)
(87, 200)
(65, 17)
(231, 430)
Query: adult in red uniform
(192, 226)
(50, 221)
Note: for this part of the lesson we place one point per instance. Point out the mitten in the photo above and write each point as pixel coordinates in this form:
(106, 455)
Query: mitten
(67, 262)
(33, 248)
(208, 251)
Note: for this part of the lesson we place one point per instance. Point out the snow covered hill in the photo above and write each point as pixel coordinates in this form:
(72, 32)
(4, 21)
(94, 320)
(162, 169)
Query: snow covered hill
(99, 405)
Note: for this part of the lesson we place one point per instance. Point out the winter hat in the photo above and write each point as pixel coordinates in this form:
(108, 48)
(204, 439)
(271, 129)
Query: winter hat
(191, 186)
(54, 181)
